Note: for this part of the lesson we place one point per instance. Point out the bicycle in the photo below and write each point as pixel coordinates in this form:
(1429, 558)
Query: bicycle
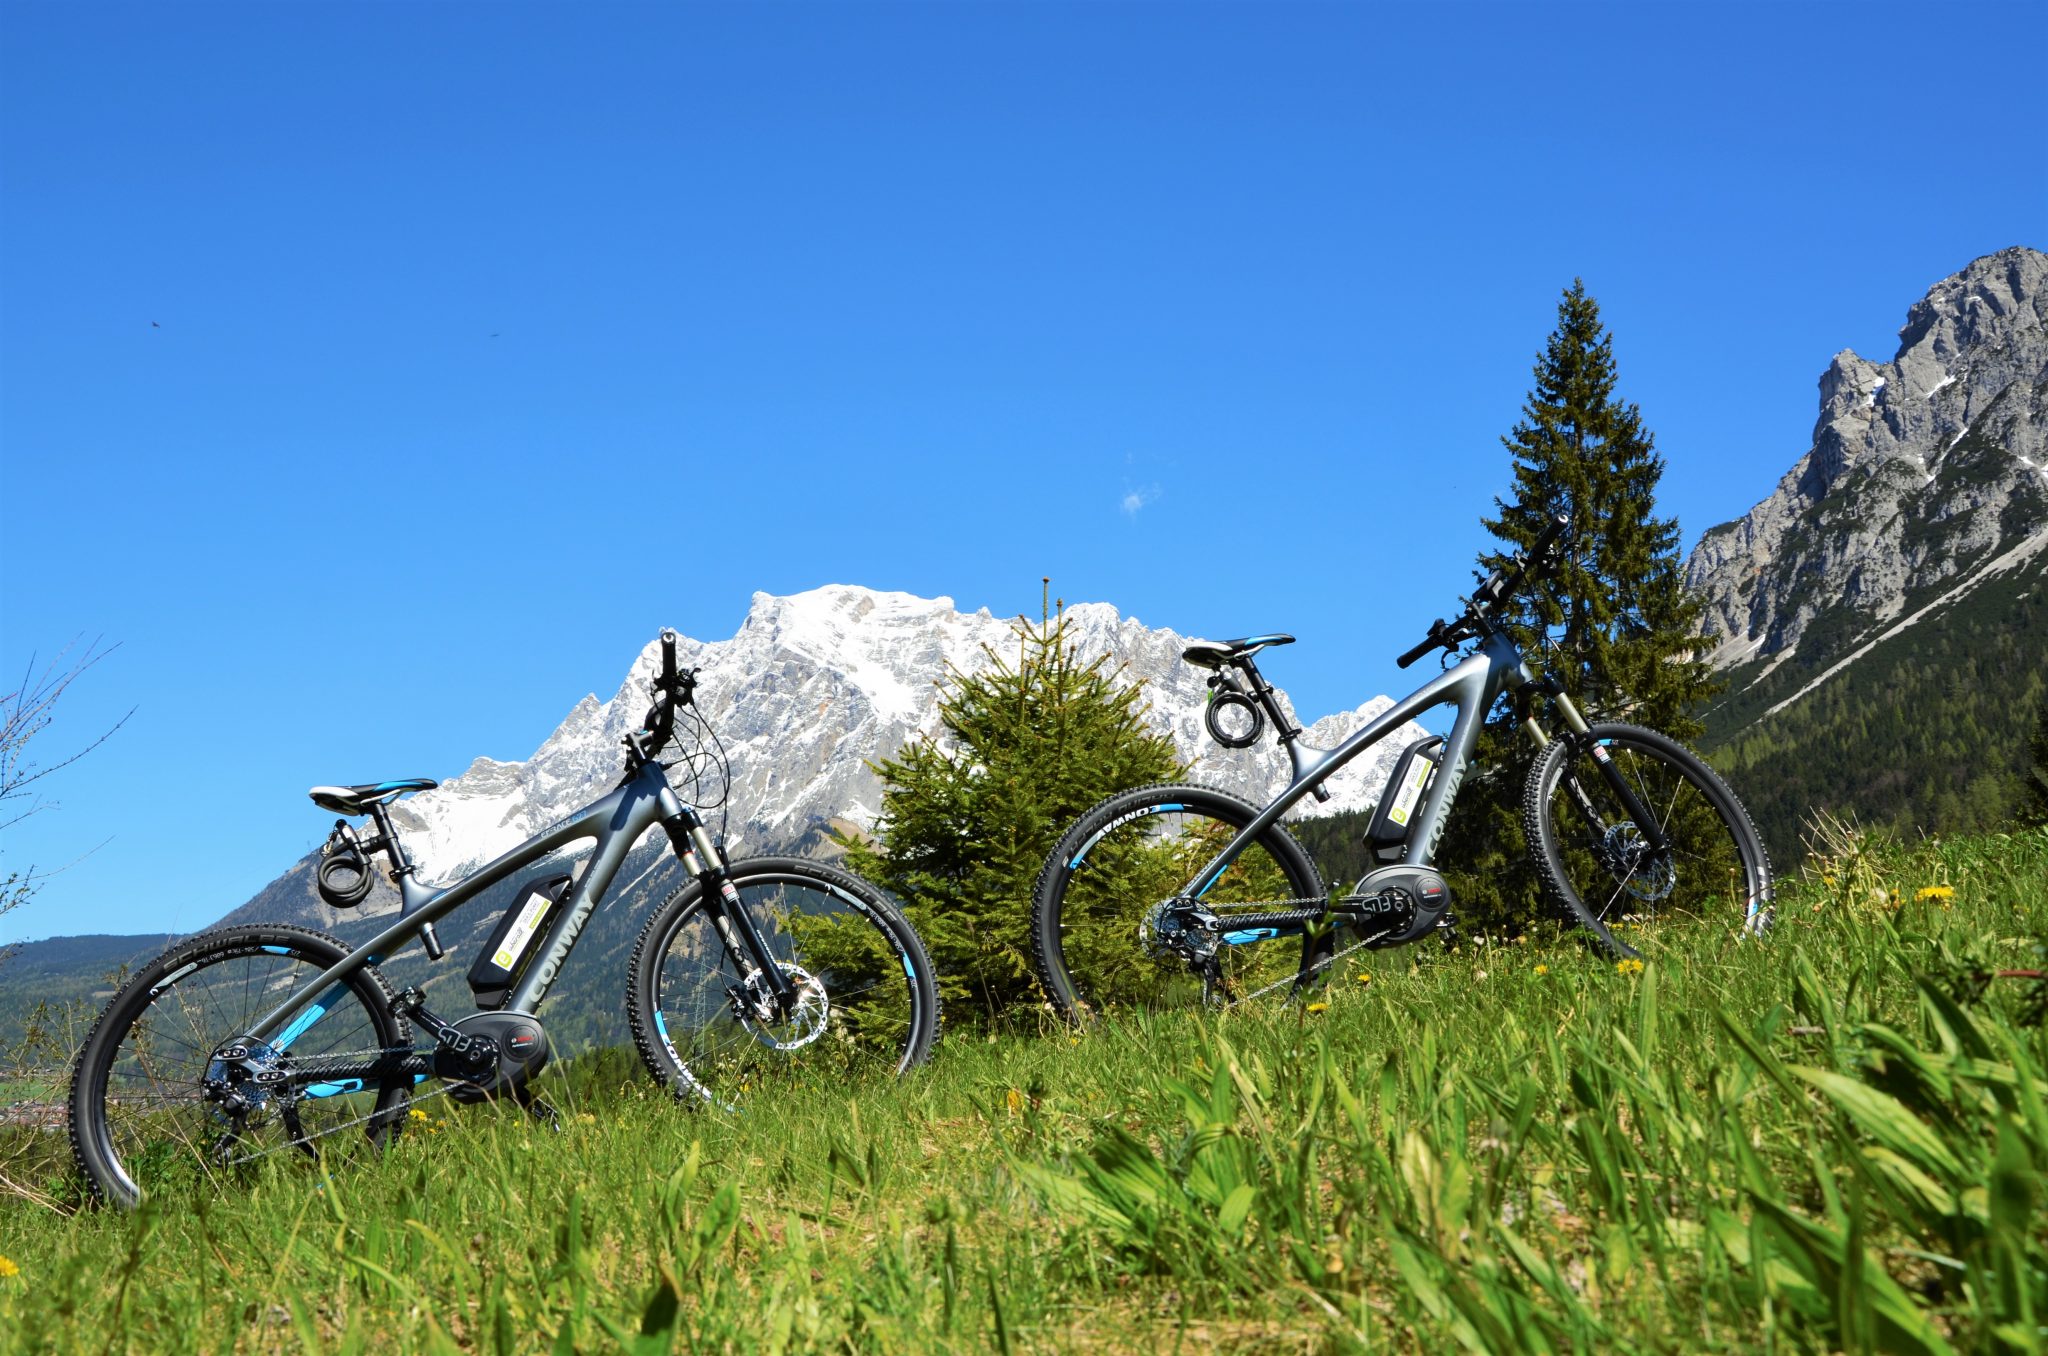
(1166, 896)
(247, 1041)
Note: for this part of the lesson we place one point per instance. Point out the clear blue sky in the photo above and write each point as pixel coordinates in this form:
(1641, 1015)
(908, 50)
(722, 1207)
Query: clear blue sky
(382, 377)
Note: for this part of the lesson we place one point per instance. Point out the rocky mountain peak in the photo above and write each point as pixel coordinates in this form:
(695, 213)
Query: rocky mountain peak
(1924, 471)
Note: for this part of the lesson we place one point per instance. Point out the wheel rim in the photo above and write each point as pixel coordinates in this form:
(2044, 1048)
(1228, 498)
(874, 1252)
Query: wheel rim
(1625, 887)
(857, 1011)
(157, 1126)
(1119, 896)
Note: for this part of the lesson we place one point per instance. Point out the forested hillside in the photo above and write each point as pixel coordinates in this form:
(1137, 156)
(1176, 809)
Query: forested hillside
(1927, 731)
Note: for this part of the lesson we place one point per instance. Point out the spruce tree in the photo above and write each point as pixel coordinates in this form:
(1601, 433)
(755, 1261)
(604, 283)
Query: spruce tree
(1623, 632)
(968, 816)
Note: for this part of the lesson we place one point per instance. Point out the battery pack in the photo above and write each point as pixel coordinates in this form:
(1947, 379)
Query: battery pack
(1394, 820)
(505, 954)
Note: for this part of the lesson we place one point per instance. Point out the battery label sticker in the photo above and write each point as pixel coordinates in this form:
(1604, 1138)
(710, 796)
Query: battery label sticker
(522, 932)
(1404, 800)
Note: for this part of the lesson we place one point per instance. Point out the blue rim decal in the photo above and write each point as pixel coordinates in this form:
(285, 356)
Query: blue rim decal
(278, 950)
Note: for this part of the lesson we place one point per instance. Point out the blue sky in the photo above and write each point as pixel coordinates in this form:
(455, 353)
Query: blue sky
(381, 378)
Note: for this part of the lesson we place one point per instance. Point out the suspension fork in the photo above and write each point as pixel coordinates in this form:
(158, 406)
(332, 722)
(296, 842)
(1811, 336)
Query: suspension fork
(1580, 737)
(744, 944)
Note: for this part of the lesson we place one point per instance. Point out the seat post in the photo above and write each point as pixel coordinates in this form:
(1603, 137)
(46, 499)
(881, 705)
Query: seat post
(1263, 693)
(401, 867)
(387, 839)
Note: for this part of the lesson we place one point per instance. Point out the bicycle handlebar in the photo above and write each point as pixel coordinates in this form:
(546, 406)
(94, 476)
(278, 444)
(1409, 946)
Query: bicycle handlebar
(1490, 594)
(1423, 646)
(672, 688)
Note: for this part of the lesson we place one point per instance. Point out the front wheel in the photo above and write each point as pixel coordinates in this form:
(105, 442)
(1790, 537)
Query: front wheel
(865, 996)
(1600, 860)
(1109, 917)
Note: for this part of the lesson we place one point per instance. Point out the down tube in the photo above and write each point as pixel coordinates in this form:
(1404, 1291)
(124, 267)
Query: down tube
(1468, 687)
(646, 802)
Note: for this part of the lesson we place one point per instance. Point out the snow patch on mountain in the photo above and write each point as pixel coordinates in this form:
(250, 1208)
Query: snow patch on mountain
(816, 686)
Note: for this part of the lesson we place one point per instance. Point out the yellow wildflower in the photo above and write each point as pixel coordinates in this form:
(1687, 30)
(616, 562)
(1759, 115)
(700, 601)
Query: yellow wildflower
(8, 1268)
(1364, 978)
(1943, 893)
(1015, 1100)
(1542, 969)
(417, 1114)
(1628, 967)
(1319, 1007)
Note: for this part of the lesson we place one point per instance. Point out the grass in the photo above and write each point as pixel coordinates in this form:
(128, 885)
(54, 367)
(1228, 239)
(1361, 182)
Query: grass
(1835, 1141)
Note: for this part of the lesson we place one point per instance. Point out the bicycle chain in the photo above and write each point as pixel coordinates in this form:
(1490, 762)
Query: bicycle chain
(1323, 969)
(412, 1099)
(1262, 905)
(1254, 905)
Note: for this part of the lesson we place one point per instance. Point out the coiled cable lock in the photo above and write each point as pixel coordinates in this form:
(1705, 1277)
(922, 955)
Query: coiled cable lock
(1234, 719)
(343, 877)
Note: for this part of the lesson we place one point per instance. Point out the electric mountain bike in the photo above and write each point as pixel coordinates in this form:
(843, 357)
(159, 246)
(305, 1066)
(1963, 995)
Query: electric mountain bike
(1186, 895)
(248, 1041)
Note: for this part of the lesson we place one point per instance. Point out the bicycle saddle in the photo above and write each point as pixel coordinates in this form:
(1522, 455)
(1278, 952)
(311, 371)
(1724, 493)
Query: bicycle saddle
(1216, 656)
(357, 800)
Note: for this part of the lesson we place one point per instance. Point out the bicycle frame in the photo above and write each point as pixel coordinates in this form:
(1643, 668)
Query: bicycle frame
(1471, 686)
(615, 821)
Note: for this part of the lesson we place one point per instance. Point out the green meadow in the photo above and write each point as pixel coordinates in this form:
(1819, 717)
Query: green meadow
(1833, 1141)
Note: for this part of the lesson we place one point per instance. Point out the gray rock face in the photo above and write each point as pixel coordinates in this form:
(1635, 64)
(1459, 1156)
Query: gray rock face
(1924, 473)
(813, 689)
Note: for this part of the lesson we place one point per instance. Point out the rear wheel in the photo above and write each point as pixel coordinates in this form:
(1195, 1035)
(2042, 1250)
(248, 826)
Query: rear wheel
(146, 1104)
(1107, 919)
(867, 999)
(1599, 862)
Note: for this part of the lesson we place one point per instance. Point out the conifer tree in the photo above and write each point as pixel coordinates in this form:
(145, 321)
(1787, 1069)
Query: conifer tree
(969, 816)
(1624, 632)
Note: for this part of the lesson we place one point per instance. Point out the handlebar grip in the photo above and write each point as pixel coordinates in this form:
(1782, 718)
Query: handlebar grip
(1552, 530)
(668, 659)
(1428, 643)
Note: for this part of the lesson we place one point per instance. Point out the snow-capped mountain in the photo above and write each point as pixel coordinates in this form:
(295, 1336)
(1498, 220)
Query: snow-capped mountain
(815, 687)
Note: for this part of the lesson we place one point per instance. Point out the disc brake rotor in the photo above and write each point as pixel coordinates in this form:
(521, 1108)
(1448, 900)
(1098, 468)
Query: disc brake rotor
(806, 1019)
(1643, 873)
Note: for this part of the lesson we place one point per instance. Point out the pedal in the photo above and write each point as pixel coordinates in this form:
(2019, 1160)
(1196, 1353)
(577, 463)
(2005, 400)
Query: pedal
(541, 1111)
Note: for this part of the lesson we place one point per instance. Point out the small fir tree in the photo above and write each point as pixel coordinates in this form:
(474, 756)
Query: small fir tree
(1624, 632)
(969, 816)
